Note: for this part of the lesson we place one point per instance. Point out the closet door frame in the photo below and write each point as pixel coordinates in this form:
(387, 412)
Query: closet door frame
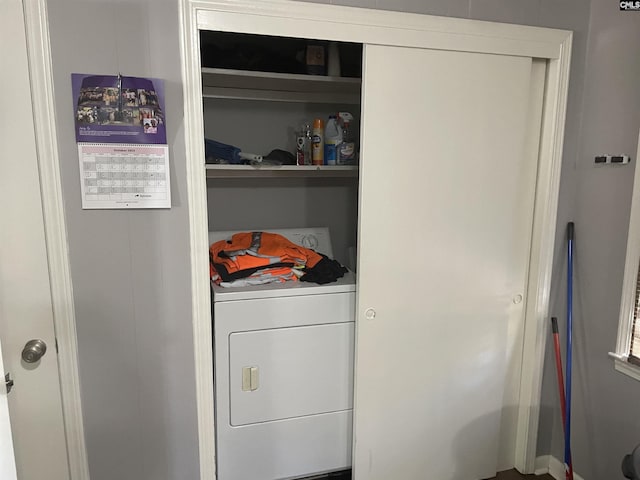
(331, 22)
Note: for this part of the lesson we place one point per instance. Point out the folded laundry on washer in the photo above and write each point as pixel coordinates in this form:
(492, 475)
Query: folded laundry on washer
(268, 275)
(251, 253)
(251, 250)
(263, 257)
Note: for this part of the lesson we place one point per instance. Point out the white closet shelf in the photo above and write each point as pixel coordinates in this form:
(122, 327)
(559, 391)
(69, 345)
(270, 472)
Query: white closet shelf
(280, 171)
(279, 87)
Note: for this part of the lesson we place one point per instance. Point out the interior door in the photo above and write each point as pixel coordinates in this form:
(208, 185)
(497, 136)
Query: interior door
(7, 460)
(25, 297)
(445, 226)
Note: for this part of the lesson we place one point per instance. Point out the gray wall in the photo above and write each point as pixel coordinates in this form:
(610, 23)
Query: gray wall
(606, 407)
(264, 204)
(130, 269)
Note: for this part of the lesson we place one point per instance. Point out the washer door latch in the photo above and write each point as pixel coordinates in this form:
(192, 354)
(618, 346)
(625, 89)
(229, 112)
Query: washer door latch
(249, 379)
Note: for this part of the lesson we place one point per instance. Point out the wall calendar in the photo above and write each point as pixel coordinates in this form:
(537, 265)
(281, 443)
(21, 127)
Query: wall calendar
(124, 176)
(120, 130)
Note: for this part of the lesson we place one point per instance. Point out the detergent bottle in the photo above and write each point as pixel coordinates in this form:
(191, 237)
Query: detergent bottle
(332, 140)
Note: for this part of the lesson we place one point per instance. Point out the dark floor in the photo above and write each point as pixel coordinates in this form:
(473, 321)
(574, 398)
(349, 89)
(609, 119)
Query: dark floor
(509, 475)
(513, 475)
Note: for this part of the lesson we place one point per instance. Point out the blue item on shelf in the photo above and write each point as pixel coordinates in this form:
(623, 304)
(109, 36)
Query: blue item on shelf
(217, 152)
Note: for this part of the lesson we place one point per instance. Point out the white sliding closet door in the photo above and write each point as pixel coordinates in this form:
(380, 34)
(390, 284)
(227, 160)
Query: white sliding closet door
(447, 191)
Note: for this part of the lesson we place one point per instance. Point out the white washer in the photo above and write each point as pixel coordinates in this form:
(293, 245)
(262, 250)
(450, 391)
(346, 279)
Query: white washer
(283, 364)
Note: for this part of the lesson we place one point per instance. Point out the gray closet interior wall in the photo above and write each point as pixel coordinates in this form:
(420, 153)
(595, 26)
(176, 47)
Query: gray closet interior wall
(263, 204)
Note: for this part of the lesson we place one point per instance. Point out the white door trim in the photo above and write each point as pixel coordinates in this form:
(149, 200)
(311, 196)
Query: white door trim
(333, 22)
(198, 238)
(541, 262)
(376, 27)
(41, 73)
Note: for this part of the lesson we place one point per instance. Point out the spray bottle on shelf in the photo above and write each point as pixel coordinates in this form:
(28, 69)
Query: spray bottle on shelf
(303, 145)
(308, 141)
(346, 149)
(317, 142)
(332, 140)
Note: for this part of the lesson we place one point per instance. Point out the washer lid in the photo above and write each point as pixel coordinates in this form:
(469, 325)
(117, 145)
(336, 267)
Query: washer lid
(316, 238)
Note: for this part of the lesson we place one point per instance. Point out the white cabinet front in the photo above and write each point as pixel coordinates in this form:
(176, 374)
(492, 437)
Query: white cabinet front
(296, 371)
(284, 385)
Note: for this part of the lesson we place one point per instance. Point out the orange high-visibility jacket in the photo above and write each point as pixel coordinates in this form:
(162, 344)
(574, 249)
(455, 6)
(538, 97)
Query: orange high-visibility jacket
(249, 251)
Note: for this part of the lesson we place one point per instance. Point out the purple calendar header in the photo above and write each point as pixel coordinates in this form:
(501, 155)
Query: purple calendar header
(118, 109)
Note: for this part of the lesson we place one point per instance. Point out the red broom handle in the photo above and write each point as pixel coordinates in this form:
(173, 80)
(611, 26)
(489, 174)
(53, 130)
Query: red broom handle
(563, 404)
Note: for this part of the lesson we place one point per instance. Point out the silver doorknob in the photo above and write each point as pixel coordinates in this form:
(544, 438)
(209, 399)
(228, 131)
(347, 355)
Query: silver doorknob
(34, 351)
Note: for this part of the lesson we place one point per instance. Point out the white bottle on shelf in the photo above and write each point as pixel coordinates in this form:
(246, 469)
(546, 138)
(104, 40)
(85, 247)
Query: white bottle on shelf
(332, 141)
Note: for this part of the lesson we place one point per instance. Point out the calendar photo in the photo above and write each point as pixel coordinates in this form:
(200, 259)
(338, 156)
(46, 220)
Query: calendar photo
(118, 109)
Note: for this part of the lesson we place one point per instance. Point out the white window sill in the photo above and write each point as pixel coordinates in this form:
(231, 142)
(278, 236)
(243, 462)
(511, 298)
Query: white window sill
(623, 366)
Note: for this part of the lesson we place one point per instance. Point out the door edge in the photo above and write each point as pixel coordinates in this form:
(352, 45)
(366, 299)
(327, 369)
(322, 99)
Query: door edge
(42, 94)
(542, 250)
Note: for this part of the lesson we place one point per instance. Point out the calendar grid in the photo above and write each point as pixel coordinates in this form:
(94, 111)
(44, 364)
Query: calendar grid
(124, 176)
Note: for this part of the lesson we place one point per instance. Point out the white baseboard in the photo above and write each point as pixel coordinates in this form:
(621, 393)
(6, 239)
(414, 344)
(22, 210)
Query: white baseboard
(542, 465)
(554, 467)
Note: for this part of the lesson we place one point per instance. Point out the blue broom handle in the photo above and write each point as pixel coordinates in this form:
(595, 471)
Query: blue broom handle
(567, 444)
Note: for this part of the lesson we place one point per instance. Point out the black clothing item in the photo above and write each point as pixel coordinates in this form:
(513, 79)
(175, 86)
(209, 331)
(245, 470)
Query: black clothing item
(325, 271)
